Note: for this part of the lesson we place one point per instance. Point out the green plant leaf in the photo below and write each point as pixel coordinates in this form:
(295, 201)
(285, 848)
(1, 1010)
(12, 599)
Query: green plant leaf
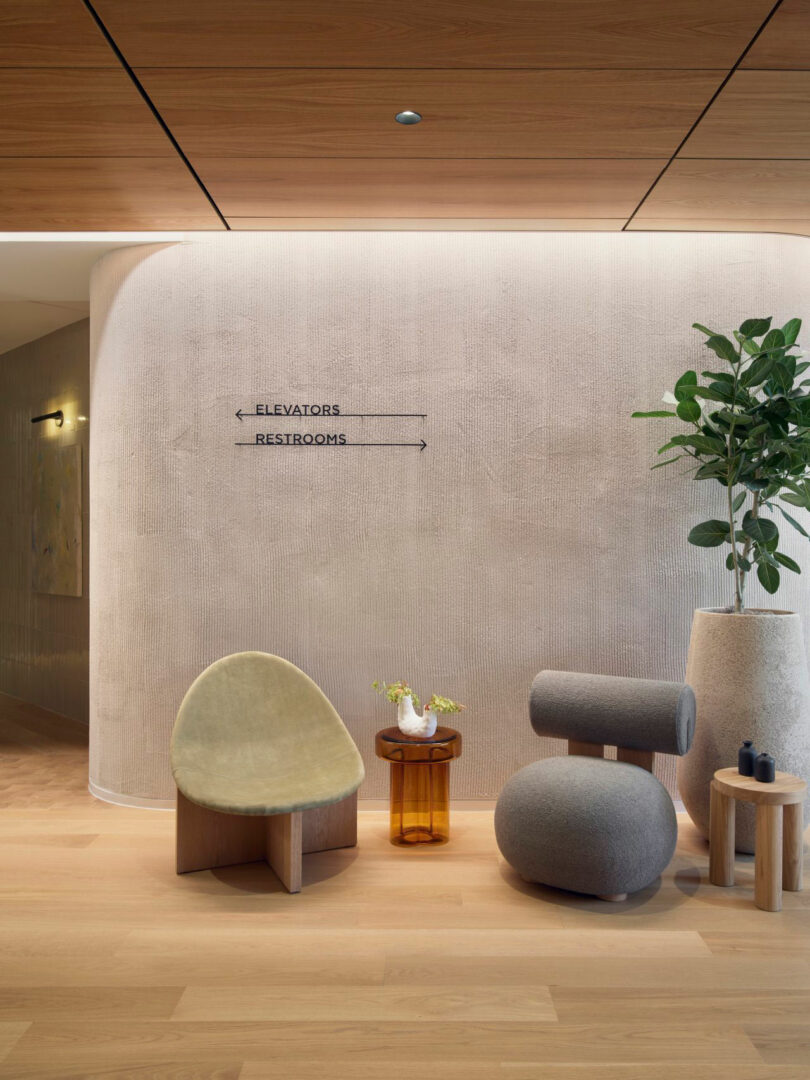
(739, 500)
(738, 418)
(713, 470)
(722, 347)
(787, 562)
(714, 393)
(792, 520)
(742, 562)
(768, 576)
(705, 444)
(760, 529)
(688, 411)
(755, 327)
(685, 386)
(655, 412)
(791, 331)
(711, 533)
(703, 329)
(758, 371)
(719, 376)
(781, 377)
(669, 461)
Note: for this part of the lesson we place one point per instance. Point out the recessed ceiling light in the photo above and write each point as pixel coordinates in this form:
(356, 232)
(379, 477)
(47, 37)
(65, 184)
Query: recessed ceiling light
(408, 117)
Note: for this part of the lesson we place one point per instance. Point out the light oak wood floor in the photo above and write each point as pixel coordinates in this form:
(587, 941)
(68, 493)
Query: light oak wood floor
(390, 965)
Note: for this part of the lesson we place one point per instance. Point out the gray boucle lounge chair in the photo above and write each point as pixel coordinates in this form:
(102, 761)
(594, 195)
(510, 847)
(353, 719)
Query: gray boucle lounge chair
(606, 828)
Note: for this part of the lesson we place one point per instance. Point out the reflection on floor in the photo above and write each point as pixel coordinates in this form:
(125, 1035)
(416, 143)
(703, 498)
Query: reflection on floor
(438, 964)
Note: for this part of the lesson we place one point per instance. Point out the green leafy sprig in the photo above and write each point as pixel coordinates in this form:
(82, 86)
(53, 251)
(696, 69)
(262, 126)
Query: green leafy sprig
(396, 691)
(749, 428)
(439, 704)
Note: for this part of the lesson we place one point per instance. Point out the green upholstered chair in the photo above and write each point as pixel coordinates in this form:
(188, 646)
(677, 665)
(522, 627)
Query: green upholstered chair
(264, 767)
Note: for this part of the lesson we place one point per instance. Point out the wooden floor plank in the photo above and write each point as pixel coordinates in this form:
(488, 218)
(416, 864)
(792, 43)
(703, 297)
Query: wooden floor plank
(82, 1003)
(782, 1043)
(73, 1045)
(430, 1003)
(604, 1004)
(471, 1070)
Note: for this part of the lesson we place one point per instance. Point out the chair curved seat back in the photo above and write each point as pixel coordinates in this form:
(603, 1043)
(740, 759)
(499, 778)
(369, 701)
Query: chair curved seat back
(255, 735)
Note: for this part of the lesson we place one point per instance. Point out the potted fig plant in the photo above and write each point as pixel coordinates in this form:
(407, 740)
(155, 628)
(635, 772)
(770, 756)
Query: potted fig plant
(748, 432)
(408, 719)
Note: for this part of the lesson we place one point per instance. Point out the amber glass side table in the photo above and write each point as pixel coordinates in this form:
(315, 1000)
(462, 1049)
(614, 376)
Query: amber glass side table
(420, 783)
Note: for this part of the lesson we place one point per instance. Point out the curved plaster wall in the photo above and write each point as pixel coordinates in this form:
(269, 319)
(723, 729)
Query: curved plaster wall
(530, 533)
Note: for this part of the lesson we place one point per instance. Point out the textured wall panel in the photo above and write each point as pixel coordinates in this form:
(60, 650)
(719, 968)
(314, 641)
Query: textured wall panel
(529, 533)
(43, 638)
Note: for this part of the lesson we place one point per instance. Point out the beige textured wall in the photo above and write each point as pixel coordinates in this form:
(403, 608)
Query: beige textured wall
(43, 639)
(529, 533)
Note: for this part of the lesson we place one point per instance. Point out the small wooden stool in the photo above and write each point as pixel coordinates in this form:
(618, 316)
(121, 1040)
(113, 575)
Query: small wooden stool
(778, 838)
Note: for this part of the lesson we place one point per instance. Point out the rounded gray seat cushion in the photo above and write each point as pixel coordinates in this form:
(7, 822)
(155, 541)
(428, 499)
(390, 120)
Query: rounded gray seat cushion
(586, 824)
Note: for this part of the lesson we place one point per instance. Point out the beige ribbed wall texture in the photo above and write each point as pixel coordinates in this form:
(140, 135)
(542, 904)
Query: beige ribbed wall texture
(529, 533)
(43, 638)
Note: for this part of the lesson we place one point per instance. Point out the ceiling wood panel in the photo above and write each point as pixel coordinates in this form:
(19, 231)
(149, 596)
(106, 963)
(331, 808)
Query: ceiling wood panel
(76, 112)
(758, 114)
(785, 41)
(50, 33)
(339, 113)
(431, 224)
(304, 187)
(433, 33)
(776, 225)
(101, 193)
(731, 191)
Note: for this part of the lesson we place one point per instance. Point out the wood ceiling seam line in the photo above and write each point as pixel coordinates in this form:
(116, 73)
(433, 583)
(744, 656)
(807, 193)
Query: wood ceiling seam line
(153, 108)
(706, 108)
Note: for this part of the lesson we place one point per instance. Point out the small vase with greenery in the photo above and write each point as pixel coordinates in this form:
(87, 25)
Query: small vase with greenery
(748, 429)
(407, 702)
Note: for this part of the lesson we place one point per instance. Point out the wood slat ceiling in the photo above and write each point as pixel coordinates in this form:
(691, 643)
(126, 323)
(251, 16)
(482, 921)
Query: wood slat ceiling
(572, 114)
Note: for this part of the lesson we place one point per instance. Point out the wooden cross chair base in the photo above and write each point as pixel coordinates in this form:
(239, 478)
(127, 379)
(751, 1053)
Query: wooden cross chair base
(778, 839)
(207, 839)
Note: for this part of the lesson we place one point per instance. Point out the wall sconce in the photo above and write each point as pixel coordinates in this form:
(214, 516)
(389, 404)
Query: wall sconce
(58, 418)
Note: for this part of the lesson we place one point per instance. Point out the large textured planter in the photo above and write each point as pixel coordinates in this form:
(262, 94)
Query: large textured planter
(749, 674)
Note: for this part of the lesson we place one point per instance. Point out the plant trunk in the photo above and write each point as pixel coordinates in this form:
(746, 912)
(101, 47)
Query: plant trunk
(738, 583)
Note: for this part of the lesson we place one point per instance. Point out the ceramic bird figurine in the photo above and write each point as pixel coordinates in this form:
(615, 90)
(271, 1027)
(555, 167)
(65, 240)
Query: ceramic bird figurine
(411, 723)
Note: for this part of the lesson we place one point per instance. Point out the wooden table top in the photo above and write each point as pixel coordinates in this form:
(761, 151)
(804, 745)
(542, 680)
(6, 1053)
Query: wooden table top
(784, 790)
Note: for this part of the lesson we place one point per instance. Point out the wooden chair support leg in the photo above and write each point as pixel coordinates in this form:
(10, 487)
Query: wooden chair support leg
(645, 759)
(284, 848)
(721, 837)
(792, 847)
(768, 858)
(207, 839)
(333, 826)
(585, 749)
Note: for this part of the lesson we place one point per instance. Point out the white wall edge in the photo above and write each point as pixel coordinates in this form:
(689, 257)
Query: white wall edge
(129, 800)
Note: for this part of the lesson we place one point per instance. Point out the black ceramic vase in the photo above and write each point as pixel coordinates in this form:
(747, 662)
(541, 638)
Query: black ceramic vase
(746, 756)
(764, 769)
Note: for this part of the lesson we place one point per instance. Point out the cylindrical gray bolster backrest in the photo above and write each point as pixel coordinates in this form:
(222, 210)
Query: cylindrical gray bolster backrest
(640, 714)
